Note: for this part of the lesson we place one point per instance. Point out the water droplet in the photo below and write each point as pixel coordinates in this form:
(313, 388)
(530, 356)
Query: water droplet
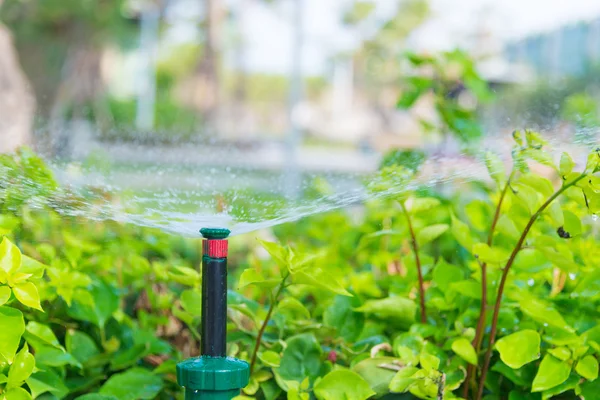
(595, 217)
(572, 276)
(530, 282)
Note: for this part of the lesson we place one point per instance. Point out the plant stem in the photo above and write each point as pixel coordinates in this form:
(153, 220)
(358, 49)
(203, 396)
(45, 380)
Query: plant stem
(505, 272)
(266, 321)
(415, 247)
(483, 311)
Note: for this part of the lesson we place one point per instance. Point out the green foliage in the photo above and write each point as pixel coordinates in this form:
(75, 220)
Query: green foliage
(105, 311)
(447, 77)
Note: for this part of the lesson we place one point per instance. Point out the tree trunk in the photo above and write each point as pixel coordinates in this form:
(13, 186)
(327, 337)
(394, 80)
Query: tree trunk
(17, 104)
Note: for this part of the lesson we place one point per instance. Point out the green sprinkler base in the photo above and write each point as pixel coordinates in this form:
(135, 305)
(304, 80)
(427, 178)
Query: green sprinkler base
(212, 378)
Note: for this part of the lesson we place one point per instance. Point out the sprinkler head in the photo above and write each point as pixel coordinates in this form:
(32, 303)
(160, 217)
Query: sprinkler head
(215, 233)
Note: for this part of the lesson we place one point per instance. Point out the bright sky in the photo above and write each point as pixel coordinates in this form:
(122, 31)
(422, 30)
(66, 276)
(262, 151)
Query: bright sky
(268, 28)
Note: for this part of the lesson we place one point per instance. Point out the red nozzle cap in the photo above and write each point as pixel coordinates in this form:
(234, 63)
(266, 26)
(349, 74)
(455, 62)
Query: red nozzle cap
(215, 248)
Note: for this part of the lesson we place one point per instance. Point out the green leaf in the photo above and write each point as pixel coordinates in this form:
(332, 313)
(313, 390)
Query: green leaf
(191, 301)
(301, 358)
(21, 368)
(593, 162)
(317, 277)
(32, 266)
(10, 257)
(403, 379)
(551, 373)
(185, 275)
(464, 349)
(461, 233)
(420, 204)
(128, 357)
(54, 357)
(134, 384)
(17, 394)
(40, 333)
(468, 288)
(343, 384)
(445, 274)
(431, 233)
(587, 367)
(567, 385)
(495, 167)
(429, 362)
(415, 88)
(372, 371)
(562, 353)
(506, 226)
(13, 327)
(556, 214)
(342, 316)
(542, 312)
(572, 224)
(96, 396)
(397, 308)
(294, 308)
(27, 294)
(4, 294)
(519, 348)
(566, 164)
(251, 276)
(81, 346)
(46, 381)
(278, 252)
(270, 358)
(490, 255)
(105, 302)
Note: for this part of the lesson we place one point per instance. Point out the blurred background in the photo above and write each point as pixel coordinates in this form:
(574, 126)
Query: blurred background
(308, 85)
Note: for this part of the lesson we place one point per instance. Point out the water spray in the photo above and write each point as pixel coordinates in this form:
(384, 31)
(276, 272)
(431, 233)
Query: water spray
(213, 375)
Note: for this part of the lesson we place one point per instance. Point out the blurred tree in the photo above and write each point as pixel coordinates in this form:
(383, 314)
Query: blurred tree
(377, 66)
(456, 87)
(60, 44)
(17, 104)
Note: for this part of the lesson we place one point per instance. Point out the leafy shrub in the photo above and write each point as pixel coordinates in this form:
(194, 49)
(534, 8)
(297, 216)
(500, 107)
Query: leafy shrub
(490, 292)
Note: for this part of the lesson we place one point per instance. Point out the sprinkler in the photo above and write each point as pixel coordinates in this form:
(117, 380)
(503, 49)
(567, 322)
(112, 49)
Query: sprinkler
(213, 375)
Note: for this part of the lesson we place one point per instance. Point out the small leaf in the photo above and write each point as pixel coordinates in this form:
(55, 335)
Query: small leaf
(551, 373)
(4, 294)
(396, 308)
(134, 384)
(431, 233)
(81, 346)
(291, 306)
(21, 368)
(317, 277)
(420, 204)
(542, 312)
(464, 349)
(301, 358)
(278, 252)
(429, 362)
(13, 326)
(191, 301)
(46, 381)
(566, 164)
(343, 384)
(403, 379)
(16, 394)
(593, 162)
(251, 276)
(572, 224)
(491, 255)
(461, 233)
(562, 353)
(10, 256)
(519, 348)
(27, 294)
(587, 367)
(36, 332)
(495, 167)
(270, 358)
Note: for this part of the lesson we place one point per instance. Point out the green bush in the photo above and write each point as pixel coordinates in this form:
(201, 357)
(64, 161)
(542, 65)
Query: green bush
(490, 292)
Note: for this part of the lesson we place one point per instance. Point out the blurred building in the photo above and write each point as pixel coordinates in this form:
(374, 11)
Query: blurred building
(569, 50)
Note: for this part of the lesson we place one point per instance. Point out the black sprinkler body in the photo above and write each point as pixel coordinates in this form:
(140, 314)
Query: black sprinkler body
(213, 375)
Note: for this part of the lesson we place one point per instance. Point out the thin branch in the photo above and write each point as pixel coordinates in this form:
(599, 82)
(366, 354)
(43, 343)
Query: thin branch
(505, 272)
(483, 311)
(415, 247)
(265, 322)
